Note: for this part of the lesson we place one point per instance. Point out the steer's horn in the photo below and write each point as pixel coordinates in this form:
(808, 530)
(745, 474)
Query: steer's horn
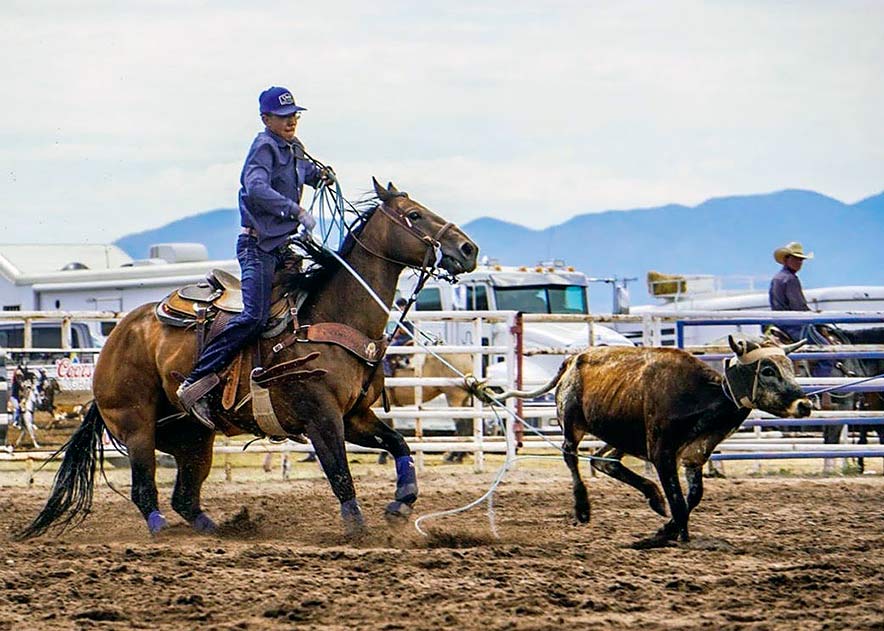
(737, 346)
(794, 347)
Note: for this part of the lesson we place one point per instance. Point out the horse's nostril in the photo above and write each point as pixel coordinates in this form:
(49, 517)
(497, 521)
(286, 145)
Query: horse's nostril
(467, 249)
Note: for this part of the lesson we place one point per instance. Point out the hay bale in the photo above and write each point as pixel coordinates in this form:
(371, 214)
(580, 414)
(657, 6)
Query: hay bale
(660, 284)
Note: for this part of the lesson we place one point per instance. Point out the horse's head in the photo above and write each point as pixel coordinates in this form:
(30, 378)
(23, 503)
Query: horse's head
(419, 237)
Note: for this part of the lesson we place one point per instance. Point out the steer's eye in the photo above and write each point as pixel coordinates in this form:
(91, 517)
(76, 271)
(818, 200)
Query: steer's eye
(767, 371)
(414, 215)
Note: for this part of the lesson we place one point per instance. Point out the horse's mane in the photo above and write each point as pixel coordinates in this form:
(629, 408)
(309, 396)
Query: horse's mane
(873, 335)
(323, 264)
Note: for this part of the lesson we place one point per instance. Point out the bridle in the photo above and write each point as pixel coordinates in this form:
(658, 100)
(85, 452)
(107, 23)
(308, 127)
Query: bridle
(432, 243)
(747, 359)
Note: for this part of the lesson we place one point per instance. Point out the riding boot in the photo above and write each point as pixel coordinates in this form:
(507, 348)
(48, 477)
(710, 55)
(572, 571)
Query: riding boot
(194, 398)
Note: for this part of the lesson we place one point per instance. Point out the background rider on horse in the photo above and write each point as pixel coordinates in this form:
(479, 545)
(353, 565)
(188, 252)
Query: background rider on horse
(272, 179)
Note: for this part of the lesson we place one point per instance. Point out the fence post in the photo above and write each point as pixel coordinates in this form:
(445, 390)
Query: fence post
(228, 469)
(479, 419)
(514, 368)
(419, 361)
(4, 417)
(66, 333)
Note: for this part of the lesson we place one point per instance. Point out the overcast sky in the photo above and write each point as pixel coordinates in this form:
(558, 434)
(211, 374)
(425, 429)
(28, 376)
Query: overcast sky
(120, 116)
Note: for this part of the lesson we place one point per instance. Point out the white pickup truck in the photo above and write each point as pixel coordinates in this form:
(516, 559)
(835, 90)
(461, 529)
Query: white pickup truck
(535, 289)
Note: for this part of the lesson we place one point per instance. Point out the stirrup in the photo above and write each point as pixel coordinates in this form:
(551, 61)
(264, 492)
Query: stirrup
(190, 396)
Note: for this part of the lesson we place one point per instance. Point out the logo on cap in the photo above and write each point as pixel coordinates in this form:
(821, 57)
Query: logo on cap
(286, 99)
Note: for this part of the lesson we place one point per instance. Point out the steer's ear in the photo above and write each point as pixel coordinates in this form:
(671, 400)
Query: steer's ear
(794, 347)
(737, 346)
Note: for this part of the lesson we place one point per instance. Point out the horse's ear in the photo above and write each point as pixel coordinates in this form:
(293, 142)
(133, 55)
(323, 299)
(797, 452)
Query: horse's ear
(380, 191)
(392, 189)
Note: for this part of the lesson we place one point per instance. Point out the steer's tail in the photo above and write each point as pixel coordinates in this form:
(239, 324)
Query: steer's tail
(71, 497)
(481, 389)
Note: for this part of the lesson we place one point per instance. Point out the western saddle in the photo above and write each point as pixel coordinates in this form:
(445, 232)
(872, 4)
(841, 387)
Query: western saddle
(221, 290)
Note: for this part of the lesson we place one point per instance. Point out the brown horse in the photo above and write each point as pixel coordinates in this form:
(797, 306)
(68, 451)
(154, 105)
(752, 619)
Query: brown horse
(455, 396)
(431, 366)
(134, 382)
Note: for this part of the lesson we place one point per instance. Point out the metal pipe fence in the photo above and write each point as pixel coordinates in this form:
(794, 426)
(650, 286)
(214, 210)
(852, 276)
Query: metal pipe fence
(492, 337)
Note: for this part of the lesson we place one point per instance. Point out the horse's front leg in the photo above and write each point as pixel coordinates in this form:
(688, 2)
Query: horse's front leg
(367, 430)
(326, 433)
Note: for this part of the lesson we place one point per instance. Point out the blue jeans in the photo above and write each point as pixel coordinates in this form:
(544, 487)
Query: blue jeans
(258, 268)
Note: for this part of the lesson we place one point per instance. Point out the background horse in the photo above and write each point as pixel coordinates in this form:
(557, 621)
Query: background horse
(30, 397)
(135, 377)
(455, 396)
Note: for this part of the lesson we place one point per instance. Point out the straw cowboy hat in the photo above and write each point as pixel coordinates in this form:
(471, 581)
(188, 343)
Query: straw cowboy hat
(791, 249)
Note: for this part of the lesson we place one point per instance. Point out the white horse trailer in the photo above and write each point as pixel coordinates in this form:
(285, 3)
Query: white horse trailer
(706, 293)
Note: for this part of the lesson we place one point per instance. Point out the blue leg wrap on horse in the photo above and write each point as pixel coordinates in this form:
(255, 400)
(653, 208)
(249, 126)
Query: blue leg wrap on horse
(156, 522)
(406, 480)
(204, 523)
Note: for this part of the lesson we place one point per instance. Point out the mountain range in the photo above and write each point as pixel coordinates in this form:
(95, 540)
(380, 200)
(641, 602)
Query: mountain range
(722, 236)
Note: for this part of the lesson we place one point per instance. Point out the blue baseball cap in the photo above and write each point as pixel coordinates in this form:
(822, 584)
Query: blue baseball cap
(279, 101)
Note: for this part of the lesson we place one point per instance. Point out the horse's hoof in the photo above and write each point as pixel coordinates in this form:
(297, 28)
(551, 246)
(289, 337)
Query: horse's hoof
(204, 524)
(581, 517)
(156, 522)
(354, 522)
(398, 512)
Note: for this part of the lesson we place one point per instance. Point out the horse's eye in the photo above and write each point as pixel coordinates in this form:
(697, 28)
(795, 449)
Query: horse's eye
(414, 215)
(767, 371)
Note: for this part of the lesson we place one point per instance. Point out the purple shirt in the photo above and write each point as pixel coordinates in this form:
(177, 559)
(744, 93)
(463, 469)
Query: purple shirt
(785, 294)
(272, 179)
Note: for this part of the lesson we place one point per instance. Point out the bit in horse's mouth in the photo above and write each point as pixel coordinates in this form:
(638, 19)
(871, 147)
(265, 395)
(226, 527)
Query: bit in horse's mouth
(452, 265)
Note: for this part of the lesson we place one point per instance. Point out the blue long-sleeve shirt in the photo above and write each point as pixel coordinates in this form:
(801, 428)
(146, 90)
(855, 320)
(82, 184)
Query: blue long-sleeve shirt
(272, 179)
(785, 294)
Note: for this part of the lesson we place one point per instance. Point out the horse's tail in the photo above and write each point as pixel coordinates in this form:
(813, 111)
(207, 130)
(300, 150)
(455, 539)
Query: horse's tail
(71, 497)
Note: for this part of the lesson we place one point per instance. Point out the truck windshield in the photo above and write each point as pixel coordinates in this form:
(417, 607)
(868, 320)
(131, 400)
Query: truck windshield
(555, 299)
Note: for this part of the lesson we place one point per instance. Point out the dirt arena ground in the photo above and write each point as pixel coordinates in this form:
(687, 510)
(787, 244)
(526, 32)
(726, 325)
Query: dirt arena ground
(769, 553)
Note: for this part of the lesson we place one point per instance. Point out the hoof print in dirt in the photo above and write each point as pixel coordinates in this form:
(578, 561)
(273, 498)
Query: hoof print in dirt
(240, 526)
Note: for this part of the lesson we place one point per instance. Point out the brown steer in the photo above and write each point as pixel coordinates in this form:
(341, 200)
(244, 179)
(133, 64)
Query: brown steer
(665, 406)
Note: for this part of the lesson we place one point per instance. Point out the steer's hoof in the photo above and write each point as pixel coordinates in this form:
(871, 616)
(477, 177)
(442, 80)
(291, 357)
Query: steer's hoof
(397, 512)
(204, 524)
(658, 505)
(156, 522)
